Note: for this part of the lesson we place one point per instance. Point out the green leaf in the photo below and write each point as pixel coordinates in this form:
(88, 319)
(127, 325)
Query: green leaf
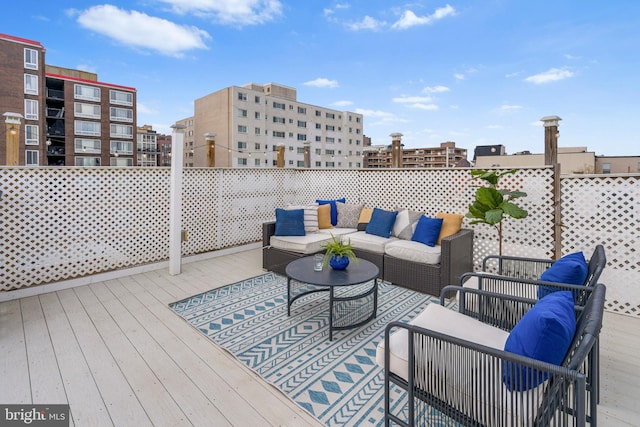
(513, 210)
(493, 216)
(489, 196)
(517, 194)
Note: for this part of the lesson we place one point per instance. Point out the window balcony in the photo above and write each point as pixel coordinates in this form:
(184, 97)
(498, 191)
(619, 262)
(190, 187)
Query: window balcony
(85, 286)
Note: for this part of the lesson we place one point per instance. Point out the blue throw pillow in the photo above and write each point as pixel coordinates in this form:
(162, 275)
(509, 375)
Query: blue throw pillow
(334, 208)
(427, 230)
(289, 222)
(572, 269)
(544, 333)
(381, 222)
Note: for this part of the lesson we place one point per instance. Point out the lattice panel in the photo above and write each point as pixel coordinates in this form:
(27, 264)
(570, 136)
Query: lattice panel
(605, 210)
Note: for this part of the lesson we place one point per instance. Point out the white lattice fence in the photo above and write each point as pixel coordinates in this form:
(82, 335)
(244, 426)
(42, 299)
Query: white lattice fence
(605, 210)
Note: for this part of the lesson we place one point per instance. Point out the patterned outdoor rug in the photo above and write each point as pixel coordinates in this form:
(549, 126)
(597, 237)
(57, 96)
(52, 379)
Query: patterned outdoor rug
(337, 381)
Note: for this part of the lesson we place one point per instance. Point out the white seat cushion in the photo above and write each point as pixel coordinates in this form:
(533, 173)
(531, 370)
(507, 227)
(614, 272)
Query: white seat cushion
(309, 244)
(337, 231)
(369, 242)
(413, 251)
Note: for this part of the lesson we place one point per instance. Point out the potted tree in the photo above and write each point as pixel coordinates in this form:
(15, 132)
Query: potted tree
(338, 254)
(491, 204)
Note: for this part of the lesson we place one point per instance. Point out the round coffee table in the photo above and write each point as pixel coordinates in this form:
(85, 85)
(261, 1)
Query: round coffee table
(353, 305)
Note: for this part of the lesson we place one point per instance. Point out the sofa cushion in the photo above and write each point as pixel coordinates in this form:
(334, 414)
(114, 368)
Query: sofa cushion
(289, 222)
(571, 269)
(308, 244)
(365, 217)
(348, 215)
(381, 222)
(368, 242)
(427, 230)
(324, 217)
(451, 224)
(334, 209)
(405, 224)
(413, 251)
(544, 333)
(335, 231)
(310, 216)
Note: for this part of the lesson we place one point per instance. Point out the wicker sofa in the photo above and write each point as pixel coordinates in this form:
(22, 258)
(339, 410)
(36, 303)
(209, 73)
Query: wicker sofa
(453, 360)
(456, 258)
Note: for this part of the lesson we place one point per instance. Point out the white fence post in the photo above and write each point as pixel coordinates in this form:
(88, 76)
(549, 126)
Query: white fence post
(175, 211)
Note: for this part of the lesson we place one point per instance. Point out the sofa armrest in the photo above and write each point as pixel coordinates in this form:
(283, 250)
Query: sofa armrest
(457, 256)
(268, 230)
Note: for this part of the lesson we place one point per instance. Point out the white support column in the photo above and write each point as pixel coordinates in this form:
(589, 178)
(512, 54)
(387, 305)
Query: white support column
(175, 212)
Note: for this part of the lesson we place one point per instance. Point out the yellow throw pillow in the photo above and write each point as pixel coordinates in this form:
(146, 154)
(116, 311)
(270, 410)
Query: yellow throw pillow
(365, 218)
(451, 224)
(324, 216)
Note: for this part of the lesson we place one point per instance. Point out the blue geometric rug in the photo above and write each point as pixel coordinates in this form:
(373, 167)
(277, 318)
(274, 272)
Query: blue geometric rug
(336, 381)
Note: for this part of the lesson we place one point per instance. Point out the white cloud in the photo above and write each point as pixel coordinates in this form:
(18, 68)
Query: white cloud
(410, 19)
(421, 106)
(435, 89)
(342, 103)
(552, 75)
(232, 12)
(459, 76)
(139, 30)
(411, 99)
(144, 109)
(571, 57)
(367, 23)
(379, 117)
(87, 68)
(322, 82)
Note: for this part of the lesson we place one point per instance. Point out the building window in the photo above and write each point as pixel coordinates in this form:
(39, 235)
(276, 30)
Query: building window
(318, 126)
(606, 168)
(300, 163)
(278, 105)
(330, 152)
(302, 137)
(121, 147)
(31, 109)
(318, 164)
(121, 131)
(330, 116)
(242, 145)
(300, 150)
(121, 161)
(330, 140)
(242, 129)
(242, 112)
(330, 164)
(290, 162)
(242, 162)
(31, 84)
(318, 138)
(89, 111)
(242, 96)
(257, 99)
(88, 93)
(121, 114)
(256, 146)
(30, 59)
(87, 161)
(278, 120)
(318, 113)
(85, 145)
(318, 151)
(257, 115)
(31, 158)
(277, 134)
(82, 127)
(31, 135)
(256, 161)
(120, 97)
(302, 124)
(329, 127)
(302, 110)
(257, 131)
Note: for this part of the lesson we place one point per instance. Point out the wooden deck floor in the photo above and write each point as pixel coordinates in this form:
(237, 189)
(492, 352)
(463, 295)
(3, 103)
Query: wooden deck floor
(115, 352)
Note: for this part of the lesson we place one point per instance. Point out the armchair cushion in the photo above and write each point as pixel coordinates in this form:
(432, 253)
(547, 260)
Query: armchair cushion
(572, 269)
(289, 222)
(544, 333)
(451, 224)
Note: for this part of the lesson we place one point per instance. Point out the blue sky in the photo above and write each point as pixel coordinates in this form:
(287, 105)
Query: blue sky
(473, 72)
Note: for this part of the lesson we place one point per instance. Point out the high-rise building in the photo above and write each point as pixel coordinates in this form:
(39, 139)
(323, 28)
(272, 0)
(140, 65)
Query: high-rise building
(68, 117)
(164, 150)
(246, 126)
(446, 155)
(147, 146)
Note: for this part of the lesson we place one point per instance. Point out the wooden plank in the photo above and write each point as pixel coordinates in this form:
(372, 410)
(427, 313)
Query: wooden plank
(198, 409)
(44, 372)
(14, 368)
(85, 401)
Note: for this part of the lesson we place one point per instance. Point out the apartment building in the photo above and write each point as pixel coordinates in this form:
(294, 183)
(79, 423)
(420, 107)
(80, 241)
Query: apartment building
(444, 156)
(246, 126)
(147, 139)
(164, 149)
(66, 117)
